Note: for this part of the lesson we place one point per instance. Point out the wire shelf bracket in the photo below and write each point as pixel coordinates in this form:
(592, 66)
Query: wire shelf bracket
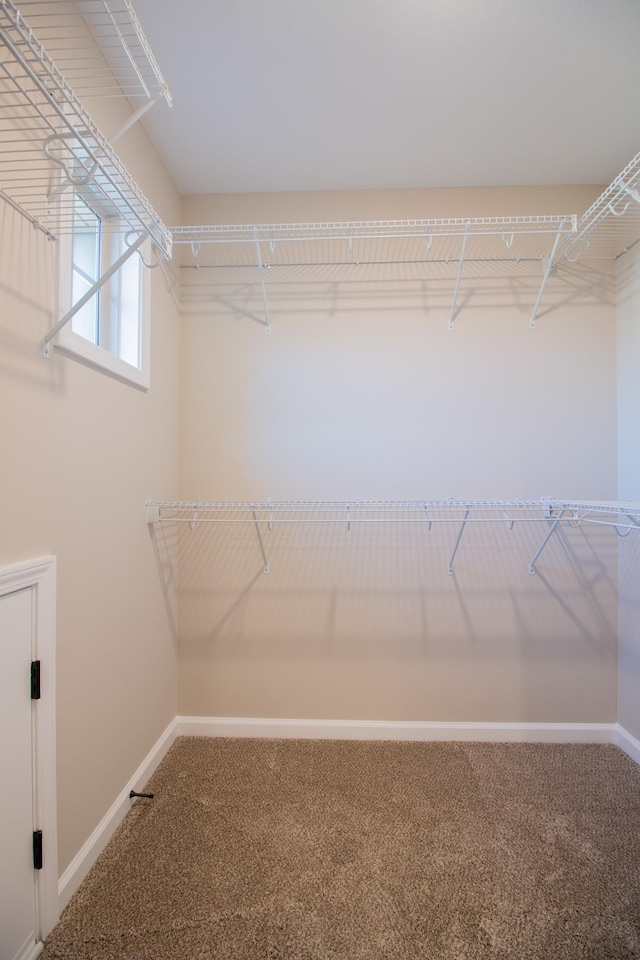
(549, 266)
(267, 326)
(552, 529)
(457, 543)
(265, 568)
(452, 315)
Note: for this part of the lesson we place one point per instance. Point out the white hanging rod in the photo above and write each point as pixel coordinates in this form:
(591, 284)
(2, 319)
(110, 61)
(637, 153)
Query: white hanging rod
(611, 224)
(130, 69)
(59, 144)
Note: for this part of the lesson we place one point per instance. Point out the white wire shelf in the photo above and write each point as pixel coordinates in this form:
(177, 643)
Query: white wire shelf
(264, 515)
(613, 513)
(50, 147)
(611, 225)
(298, 251)
(514, 239)
(129, 69)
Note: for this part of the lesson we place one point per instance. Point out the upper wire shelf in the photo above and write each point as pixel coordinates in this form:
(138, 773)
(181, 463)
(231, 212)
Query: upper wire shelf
(611, 225)
(129, 69)
(237, 254)
(514, 239)
(50, 148)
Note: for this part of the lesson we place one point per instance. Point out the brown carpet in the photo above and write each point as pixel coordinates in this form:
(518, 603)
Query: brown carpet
(320, 850)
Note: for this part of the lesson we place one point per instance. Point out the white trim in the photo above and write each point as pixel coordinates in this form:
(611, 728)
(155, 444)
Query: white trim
(93, 847)
(40, 575)
(395, 730)
(32, 951)
(97, 356)
(627, 742)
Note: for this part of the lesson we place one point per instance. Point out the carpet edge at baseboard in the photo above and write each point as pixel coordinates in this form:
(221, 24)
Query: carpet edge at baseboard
(85, 858)
(276, 728)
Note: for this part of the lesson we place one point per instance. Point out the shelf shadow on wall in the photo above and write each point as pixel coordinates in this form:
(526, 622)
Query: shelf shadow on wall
(326, 595)
(164, 539)
(26, 297)
(570, 284)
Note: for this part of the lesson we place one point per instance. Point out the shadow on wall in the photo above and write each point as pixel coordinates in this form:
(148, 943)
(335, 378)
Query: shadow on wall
(385, 590)
(367, 623)
(629, 635)
(323, 291)
(164, 539)
(27, 303)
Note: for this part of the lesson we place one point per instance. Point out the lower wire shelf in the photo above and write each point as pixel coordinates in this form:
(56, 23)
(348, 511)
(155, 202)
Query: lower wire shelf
(624, 518)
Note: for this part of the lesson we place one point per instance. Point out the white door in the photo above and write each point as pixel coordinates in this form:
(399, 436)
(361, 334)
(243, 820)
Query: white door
(19, 927)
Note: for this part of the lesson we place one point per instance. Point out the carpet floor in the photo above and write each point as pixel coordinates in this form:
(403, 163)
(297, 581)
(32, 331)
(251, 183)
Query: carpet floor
(334, 850)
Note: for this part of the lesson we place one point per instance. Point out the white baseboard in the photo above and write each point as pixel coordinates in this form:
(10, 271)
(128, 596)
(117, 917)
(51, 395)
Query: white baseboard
(627, 742)
(395, 730)
(90, 851)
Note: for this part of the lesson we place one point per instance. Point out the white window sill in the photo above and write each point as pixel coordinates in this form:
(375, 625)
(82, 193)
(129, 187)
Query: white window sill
(78, 348)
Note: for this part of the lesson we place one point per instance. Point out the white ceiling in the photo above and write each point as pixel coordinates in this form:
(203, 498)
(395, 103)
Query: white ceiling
(274, 95)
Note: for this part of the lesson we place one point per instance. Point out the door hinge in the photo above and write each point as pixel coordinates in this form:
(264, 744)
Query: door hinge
(37, 849)
(35, 679)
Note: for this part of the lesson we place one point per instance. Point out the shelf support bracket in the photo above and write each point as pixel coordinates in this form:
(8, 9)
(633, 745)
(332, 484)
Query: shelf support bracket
(133, 119)
(549, 264)
(457, 543)
(267, 327)
(550, 532)
(70, 314)
(69, 180)
(264, 555)
(633, 193)
(452, 316)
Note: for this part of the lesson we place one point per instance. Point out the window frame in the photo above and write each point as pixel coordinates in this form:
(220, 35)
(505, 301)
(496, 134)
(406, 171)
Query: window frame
(73, 344)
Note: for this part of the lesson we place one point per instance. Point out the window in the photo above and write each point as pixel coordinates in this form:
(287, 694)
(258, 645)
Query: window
(111, 330)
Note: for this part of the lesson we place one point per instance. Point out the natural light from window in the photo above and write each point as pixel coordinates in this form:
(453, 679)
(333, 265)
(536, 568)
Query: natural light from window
(110, 331)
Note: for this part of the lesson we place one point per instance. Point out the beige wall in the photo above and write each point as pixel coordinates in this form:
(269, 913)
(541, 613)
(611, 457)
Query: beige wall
(326, 206)
(628, 311)
(80, 454)
(361, 391)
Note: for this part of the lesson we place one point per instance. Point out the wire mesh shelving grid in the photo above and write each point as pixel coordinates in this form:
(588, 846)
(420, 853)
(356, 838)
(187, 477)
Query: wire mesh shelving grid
(49, 144)
(612, 513)
(129, 69)
(624, 518)
(361, 243)
(611, 225)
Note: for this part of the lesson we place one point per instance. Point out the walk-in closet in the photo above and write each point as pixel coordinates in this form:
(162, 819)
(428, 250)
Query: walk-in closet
(320, 547)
